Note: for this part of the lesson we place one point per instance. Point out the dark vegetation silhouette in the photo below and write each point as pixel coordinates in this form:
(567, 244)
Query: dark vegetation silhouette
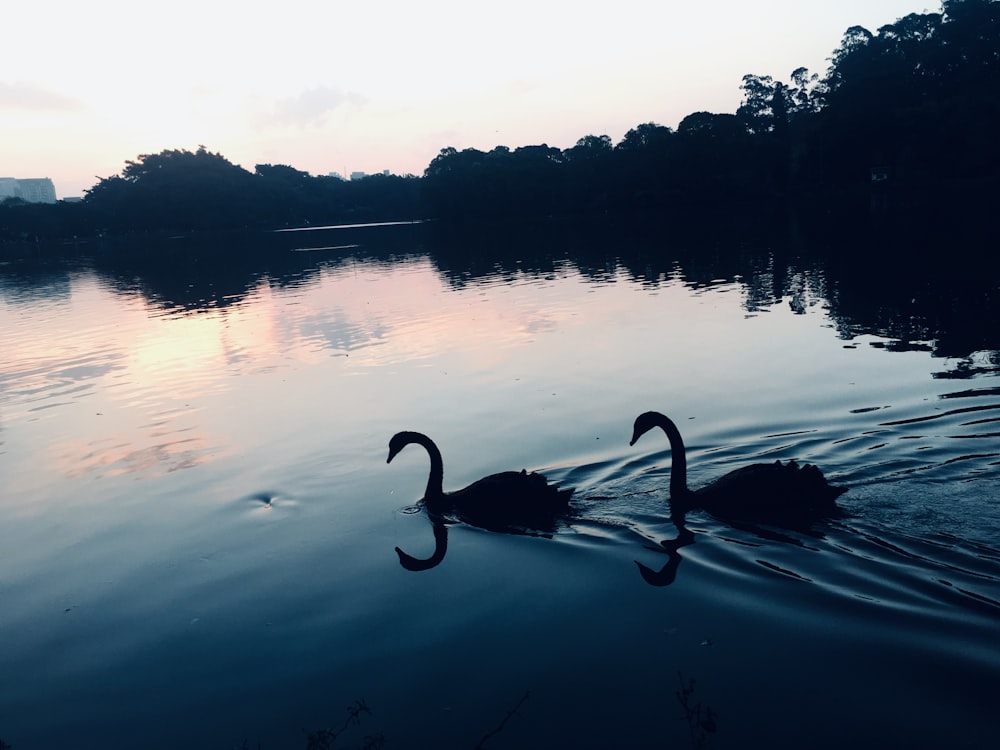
(903, 117)
(180, 191)
(700, 719)
(326, 738)
(906, 112)
(699, 716)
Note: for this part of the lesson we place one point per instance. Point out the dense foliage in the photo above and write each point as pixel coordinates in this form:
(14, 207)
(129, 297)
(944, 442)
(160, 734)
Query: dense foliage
(910, 111)
(183, 191)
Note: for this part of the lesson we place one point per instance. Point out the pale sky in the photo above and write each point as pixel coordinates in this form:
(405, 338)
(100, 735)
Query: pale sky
(334, 86)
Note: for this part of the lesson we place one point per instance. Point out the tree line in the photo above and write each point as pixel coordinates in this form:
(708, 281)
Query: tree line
(184, 191)
(910, 110)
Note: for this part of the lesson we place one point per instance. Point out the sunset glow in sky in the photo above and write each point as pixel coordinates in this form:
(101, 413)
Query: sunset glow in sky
(336, 86)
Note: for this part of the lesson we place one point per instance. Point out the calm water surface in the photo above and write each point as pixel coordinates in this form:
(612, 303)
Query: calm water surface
(197, 521)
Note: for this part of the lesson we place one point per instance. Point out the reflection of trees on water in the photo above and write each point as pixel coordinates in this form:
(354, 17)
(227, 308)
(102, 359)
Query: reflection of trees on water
(495, 254)
(192, 274)
(979, 363)
(918, 288)
(201, 271)
(922, 287)
(31, 279)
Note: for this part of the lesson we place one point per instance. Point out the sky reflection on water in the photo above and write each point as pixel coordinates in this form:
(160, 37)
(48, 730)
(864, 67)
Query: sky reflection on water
(196, 507)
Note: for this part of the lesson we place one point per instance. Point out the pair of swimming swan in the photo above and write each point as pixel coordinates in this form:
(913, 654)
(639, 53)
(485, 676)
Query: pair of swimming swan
(755, 492)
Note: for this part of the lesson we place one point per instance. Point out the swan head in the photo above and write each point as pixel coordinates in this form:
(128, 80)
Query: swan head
(399, 441)
(643, 424)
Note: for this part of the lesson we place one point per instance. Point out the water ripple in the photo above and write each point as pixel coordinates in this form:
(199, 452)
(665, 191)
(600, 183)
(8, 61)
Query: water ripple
(942, 415)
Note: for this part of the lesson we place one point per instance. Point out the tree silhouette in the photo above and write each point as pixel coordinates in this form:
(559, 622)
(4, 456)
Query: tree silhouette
(917, 102)
(175, 189)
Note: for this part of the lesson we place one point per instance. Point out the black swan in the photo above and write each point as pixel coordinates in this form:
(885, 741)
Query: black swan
(509, 501)
(763, 492)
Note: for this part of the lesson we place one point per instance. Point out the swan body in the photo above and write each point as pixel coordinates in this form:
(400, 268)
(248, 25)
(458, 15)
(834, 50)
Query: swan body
(766, 492)
(499, 501)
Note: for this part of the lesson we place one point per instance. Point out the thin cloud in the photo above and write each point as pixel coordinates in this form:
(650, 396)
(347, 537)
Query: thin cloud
(28, 97)
(312, 106)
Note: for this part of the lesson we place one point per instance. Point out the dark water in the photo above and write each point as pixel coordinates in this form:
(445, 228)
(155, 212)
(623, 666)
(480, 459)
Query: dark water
(197, 521)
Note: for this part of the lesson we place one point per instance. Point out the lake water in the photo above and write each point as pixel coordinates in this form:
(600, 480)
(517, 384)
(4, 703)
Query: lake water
(197, 521)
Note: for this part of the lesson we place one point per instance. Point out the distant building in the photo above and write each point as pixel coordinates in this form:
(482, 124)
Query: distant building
(8, 188)
(362, 175)
(34, 190)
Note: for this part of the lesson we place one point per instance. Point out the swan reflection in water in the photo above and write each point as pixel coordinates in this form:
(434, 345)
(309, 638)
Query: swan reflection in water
(511, 501)
(666, 575)
(787, 495)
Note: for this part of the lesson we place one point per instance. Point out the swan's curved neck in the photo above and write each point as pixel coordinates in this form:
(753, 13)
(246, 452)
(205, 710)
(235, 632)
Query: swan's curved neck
(678, 458)
(435, 480)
